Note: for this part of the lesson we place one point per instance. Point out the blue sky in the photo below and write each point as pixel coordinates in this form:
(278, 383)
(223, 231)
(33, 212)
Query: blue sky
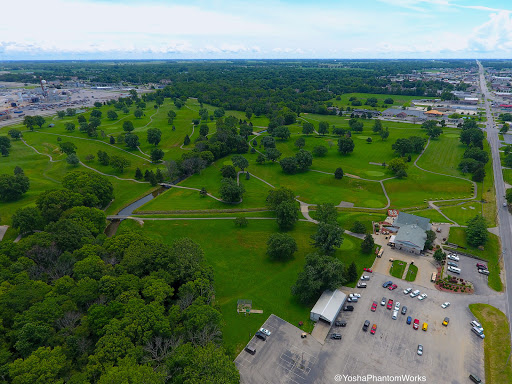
(216, 29)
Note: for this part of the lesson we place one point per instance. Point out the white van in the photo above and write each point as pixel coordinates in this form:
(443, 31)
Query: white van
(454, 270)
(395, 314)
(478, 332)
(476, 324)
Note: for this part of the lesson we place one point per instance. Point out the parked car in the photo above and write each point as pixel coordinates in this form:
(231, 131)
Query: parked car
(415, 293)
(476, 324)
(452, 264)
(367, 270)
(397, 306)
(446, 321)
(348, 308)
(420, 349)
(366, 325)
(409, 320)
(365, 277)
(387, 284)
(340, 323)
(422, 297)
(395, 314)
(478, 332)
(390, 304)
(361, 285)
(445, 305)
(374, 329)
(261, 335)
(404, 310)
(383, 301)
(336, 336)
(407, 291)
(374, 306)
(355, 295)
(392, 287)
(352, 299)
(453, 256)
(481, 266)
(484, 272)
(425, 326)
(475, 379)
(265, 331)
(416, 324)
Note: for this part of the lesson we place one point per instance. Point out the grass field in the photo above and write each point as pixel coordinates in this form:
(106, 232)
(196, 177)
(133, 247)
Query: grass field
(491, 253)
(432, 214)
(398, 100)
(497, 349)
(411, 273)
(243, 271)
(507, 176)
(397, 268)
(464, 212)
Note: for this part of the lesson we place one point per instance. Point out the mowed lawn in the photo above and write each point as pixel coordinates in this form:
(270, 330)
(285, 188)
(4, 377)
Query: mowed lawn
(464, 212)
(498, 367)
(398, 100)
(243, 271)
(491, 253)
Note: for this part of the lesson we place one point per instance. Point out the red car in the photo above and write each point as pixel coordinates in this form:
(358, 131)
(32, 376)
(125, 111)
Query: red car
(392, 287)
(367, 270)
(374, 328)
(374, 306)
(390, 304)
(416, 323)
(481, 266)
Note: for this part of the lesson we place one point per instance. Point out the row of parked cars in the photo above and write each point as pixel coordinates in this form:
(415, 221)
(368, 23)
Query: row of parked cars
(477, 329)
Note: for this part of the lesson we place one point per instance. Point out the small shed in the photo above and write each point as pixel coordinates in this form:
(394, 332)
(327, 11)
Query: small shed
(328, 306)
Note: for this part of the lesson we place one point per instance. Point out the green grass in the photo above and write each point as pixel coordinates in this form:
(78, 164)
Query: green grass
(491, 253)
(346, 219)
(507, 176)
(497, 349)
(432, 214)
(411, 273)
(464, 212)
(397, 268)
(399, 100)
(243, 271)
(487, 191)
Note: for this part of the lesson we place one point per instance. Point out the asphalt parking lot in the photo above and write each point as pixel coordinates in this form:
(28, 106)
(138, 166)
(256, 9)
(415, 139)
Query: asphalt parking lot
(470, 272)
(450, 353)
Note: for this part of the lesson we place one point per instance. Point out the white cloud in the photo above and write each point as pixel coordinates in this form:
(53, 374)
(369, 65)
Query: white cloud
(495, 35)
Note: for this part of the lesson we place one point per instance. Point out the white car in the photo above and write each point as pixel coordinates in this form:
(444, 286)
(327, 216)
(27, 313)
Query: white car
(365, 277)
(453, 256)
(407, 291)
(415, 293)
(355, 295)
(445, 305)
(420, 349)
(477, 325)
(397, 306)
(423, 296)
(265, 331)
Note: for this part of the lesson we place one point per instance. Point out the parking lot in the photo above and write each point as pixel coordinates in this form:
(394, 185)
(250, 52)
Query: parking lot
(449, 353)
(470, 272)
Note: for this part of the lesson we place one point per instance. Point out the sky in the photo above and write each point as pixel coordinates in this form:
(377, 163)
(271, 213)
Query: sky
(240, 29)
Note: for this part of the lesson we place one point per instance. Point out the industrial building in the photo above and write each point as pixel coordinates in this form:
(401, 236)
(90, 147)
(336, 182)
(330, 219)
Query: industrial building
(328, 306)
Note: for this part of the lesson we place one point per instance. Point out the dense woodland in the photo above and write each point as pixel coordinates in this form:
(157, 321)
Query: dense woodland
(77, 307)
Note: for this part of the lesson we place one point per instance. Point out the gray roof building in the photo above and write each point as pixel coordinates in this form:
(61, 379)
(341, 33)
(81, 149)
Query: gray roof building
(328, 306)
(409, 112)
(411, 234)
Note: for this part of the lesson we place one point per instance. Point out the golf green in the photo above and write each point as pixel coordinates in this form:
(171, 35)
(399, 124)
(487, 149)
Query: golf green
(374, 173)
(451, 135)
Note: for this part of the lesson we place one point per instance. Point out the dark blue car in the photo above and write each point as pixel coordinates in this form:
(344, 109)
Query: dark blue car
(409, 319)
(387, 284)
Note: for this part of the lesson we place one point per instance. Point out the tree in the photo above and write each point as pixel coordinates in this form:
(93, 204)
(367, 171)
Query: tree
(260, 159)
(439, 255)
(39, 120)
(358, 227)
(230, 191)
(128, 126)
(97, 104)
(472, 136)
(434, 132)
(278, 196)
(345, 145)
(187, 140)
(304, 159)
(203, 130)
(281, 246)
(119, 163)
(112, 140)
(397, 165)
(70, 126)
(328, 237)
(103, 158)
(320, 151)
(159, 176)
(97, 190)
(429, 242)
(90, 157)
(368, 243)
(138, 113)
(96, 113)
(13, 187)
(112, 115)
(389, 100)
(240, 162)
(402, 146)
(132, 141)
(282, 133)
(273, 154)
(479, 174)
(241, 222)
(323, 127)
(28, 121)
(52, 203)
(384, 134)
(289, 165)
(27, 220)
(248, 113)
(287, 214)
(154, 136)
(61, 114)
(228, 171)
(72, 160)
(138, 174)
(268, 142)
(81, 119)
(476, 231)
(320, 273)
(377, 126)
(45, 365)
(508, 195)
(15, 134)
(307, 128)
(92, 219)
(338, 174)
(156, 155)
(326, 213)
(355, 125)
(369, 140)
(300, 142)
(67, 147)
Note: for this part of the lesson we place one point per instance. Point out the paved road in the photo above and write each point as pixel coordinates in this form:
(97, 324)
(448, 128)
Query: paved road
(505, 224)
